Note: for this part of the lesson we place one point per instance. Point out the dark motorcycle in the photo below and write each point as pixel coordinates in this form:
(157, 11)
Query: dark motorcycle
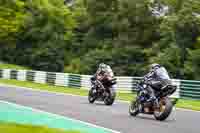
(142, 104)
(101, 90)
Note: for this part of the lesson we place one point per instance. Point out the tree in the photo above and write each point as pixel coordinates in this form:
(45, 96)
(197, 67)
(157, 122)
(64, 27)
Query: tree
(12, 15)
(181, 29)
(136, 23)
(192, 65)
(48, 27)
(169, 58)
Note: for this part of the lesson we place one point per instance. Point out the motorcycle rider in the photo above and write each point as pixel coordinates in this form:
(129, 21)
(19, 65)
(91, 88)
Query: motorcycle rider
(104, 70)
(157, 78)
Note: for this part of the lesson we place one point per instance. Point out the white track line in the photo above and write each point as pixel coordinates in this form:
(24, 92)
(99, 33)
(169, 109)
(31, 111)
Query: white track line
(60, 93)
(57, 116)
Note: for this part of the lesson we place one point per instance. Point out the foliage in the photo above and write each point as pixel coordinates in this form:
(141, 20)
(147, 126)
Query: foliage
(193, 64)
(46, 28)
(11, 20)
(52, 35)
(11, 66)
(180, 30)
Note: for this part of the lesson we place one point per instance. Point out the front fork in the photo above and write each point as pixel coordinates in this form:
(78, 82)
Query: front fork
(139, 104)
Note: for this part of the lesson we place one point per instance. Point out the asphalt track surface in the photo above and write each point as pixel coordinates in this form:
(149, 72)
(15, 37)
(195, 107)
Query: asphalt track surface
(114, 117)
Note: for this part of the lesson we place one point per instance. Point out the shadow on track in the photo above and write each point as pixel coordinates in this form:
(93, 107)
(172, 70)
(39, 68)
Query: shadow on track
(151, 118)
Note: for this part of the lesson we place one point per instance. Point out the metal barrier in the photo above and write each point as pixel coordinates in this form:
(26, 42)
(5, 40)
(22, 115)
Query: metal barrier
(186, 88)
(190, 89)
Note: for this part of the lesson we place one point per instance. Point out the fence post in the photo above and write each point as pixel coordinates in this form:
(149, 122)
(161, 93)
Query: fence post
(85, 81)
(61, 79)
(21, 75)
(39, 77)
(6, 74)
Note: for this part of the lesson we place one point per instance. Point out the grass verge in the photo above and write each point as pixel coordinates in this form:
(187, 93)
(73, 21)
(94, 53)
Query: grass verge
(22, 128)
(182, 103)
(12, 66)
(189, 104)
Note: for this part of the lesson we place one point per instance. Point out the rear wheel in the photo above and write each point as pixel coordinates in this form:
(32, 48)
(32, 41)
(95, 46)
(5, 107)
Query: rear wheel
(134, 108)
(91, 96)
(165, 108)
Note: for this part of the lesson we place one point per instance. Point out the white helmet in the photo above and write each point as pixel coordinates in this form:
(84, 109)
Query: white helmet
(102, 66)
(154, 65)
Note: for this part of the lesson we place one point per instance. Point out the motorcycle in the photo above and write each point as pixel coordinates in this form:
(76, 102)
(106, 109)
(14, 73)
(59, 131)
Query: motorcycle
(101, 90)
(141, 103)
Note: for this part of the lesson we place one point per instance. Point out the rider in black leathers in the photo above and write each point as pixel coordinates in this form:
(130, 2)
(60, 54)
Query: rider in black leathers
(156, 79)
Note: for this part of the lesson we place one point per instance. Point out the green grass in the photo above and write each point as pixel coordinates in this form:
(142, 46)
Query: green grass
(45, 87)
(182, 103)
(19, 128)
(12, 66)
(189, 104)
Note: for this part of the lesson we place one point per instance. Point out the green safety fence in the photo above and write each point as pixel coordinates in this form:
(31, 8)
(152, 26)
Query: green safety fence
(134, 82)
(13, 74)
(190, 89)
(30, 75)
(50, 78)
(1, 73)
(74, 80)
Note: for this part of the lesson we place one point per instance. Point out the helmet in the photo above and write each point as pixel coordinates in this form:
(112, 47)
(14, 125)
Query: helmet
(102, 66)
(154, 65)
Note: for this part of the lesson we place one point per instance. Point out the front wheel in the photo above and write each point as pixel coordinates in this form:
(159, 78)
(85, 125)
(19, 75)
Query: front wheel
(165, 108)
(91, 97)
(109, 100)
(133, 108)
